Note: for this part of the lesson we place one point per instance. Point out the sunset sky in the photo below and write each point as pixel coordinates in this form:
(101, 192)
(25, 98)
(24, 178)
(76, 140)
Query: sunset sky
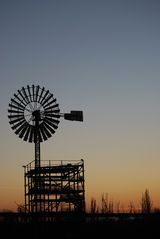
(98, 56)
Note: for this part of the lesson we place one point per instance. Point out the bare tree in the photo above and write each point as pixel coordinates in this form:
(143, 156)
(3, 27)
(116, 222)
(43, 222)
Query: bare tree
(93, 205)
(146, 202)
(131, 207)
(110, 208)
(104, 202)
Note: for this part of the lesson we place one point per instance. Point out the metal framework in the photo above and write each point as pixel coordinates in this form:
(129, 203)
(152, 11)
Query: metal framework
(56, 186)
(34, 115)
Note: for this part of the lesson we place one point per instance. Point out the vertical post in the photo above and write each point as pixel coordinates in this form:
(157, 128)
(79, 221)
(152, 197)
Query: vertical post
(25, 203)
(37, 154)
(37, 141)
(84, 206)
(37, 163)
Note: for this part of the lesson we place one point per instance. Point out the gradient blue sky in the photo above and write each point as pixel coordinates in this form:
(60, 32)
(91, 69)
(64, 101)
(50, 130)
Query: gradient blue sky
(99, 56)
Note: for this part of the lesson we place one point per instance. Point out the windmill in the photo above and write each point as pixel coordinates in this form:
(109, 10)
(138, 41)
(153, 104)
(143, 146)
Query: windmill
(34, 115)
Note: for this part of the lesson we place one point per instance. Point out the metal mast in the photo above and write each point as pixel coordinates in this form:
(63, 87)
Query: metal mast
(37, 118)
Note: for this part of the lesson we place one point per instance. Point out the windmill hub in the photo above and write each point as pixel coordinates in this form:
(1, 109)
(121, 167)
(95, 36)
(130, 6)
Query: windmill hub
(36, 114)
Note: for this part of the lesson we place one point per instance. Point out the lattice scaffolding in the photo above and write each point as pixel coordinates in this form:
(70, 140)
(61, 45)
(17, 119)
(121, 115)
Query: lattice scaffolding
(56, 186)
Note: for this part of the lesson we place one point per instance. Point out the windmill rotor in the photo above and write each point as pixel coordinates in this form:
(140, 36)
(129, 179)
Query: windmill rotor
(34, 114)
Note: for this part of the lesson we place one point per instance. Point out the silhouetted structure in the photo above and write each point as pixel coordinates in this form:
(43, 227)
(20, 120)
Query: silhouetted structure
(34, 116)
(57, 186)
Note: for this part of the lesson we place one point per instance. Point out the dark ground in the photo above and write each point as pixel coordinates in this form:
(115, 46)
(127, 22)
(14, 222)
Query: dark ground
(132, 227)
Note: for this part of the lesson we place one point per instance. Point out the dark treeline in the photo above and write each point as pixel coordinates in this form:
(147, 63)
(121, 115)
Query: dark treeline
(89, 226)
(103, 223)
(107, 205)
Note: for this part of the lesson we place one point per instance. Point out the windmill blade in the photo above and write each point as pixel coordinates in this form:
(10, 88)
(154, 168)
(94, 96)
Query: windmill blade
(49, 122)
(15, 116)
(16, 96)
(40, 96)
(29, 92)
(49, 103)
(15, 111)
(26, 137)
(20, 128)
(18, 124)
(15, 107)
(49, 127)
(27, 98)
(47, 133)
(54, 121)
(33, 93)
(52, 107)
(37, 91)
(51, 111)
(42, 132)
(23, 97)
(44, 97)
(17, 104)
(49, 108)
(25, 94)
(16, 120)
(47, 99)
(23, 131)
